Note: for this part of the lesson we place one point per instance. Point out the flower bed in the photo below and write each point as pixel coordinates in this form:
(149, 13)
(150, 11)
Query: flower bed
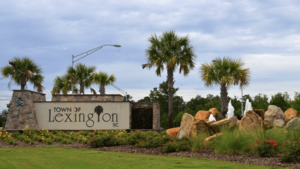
(272, 143)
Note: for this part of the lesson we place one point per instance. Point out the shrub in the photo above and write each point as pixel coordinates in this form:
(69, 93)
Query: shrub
(264, 148)
(101, 141)
(233, 141)
(150, 142)
(291, 151)
(29, 132)
(135, 137)
(198, 142)
(15, 134)
(174, 146)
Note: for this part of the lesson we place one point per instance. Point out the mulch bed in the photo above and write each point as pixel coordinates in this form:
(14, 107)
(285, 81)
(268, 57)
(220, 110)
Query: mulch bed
(208, 154)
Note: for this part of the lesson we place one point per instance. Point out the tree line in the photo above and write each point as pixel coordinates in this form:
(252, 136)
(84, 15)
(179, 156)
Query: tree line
(259, 101)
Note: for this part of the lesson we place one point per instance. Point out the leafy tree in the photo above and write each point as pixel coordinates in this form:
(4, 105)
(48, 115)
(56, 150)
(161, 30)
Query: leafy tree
(260, 102)
(103, 79)
(173, 52)
(3, 117)
(296, 103)
(63, 84)
(22, 70)
(201, 104)
(160, 94)
(225, 73)
(82, 75)
(194, 102)
(211, 103)
(129, 98)
(281, 100)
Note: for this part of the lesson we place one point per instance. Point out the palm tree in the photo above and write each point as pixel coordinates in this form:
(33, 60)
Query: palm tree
(81, 75)
(173, 51)
(22, 70)
(63, 84)
(103, 79)
(224, 73)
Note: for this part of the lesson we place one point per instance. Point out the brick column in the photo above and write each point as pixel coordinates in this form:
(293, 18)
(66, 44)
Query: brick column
(156, 115)
(21, 112)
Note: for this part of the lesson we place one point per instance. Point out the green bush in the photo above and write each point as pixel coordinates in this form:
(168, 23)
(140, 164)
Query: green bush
(264, 148)
(198, 142)
(15, 134)
(104, 140)
(233, 141)
(136, 137)
(150, 142)
(291, 151)
(174, 146)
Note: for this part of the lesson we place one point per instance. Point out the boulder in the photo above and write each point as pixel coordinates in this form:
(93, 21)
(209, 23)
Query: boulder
(211, 138)
(228, 122)
(185, 125)
(251, 121)
(202, 115)
(238, 123)
(199, 126)
(290, 114)
(209, 122)
(271, 114)
(218, 116)
(293, 124)
(278, 123)
(172, 132)
(260, 112)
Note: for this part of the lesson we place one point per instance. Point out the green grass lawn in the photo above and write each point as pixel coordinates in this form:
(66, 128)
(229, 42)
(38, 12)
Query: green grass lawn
(61, 157)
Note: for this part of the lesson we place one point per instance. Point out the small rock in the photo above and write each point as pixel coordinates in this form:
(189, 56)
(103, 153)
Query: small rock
(172, 132)
(211, 138)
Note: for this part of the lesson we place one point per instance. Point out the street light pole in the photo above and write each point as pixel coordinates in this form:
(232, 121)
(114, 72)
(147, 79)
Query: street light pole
(88, 53)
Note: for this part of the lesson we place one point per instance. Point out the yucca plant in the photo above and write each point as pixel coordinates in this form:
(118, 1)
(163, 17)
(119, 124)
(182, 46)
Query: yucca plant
(82, 75)
(103, 79)
(22, 70)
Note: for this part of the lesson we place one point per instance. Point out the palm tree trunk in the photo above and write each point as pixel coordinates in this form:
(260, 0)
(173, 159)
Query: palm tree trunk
(224, 100)
(23, 84)
(102, 89)
(170, 78)
(81, 88)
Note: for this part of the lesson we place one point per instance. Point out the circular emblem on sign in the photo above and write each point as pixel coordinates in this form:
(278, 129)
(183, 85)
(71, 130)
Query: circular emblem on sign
(19, 101)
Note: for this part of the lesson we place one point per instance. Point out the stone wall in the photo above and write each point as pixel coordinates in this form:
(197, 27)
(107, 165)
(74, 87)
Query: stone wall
(21, 112)
(156, 112)
(87, 97)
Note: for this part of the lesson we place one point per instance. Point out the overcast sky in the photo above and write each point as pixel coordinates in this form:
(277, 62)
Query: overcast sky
(264, 34)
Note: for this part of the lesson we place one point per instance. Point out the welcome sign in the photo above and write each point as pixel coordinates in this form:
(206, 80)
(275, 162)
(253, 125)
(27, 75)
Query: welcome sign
(83, 115)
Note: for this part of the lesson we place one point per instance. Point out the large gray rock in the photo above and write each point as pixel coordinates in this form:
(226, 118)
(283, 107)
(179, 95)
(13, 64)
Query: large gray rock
(278, 123)
(273, 113)
(293, 124)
